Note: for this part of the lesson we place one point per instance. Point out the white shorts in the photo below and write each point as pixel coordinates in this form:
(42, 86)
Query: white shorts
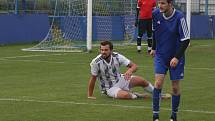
(121, 85)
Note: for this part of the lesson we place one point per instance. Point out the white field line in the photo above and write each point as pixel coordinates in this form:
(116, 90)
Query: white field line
(10, 58)
(37, 61)
(189, 68)
(205, 45)
(192, 68)
(27, 56)
(95, 104)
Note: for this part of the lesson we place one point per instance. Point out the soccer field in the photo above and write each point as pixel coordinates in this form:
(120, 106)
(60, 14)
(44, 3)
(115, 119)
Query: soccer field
(42, 86)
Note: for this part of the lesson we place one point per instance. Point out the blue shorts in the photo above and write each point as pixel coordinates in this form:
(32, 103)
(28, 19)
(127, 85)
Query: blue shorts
(161, 67)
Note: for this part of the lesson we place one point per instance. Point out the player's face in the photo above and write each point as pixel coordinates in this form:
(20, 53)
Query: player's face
(105, 51)
(164, 6)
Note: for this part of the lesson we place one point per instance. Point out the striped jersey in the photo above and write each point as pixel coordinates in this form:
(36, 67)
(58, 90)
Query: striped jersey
(168, 32)
(108, 73)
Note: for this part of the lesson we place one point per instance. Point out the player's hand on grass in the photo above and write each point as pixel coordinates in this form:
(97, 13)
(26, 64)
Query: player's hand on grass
(91, 97)
(174, 62)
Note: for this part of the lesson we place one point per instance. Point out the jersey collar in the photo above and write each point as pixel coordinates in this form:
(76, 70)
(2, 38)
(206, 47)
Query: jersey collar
(169, 16)
(111, 56)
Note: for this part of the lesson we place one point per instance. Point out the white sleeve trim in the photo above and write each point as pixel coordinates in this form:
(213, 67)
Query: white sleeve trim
(185, 38)
(185, 29)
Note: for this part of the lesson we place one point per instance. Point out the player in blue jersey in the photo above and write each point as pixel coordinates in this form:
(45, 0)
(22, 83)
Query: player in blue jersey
(170, 40)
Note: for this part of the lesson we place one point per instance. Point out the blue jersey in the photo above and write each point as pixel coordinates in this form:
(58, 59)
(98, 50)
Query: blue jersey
(168, 32)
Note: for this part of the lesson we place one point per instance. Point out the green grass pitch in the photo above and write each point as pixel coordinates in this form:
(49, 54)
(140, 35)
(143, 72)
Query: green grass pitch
(42, 86)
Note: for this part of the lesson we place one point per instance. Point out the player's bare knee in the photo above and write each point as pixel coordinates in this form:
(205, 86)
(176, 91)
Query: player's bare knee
(146, 83)
(158, 85)
(123, 95)
(175, 91)
(126, 95)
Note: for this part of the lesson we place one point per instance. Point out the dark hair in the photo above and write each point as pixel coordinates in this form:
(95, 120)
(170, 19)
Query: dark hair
(169, 1)
(104, 43)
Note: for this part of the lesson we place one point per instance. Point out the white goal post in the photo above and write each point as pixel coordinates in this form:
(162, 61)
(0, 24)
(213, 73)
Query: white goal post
(89, 25)
(188, 15)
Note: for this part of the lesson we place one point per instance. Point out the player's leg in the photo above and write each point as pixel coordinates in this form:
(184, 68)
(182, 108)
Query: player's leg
(118, 93)
(123, 94)
(140, 35)
(160, 72)
(159, 80)
(176, 74)
(175, 99)
(149, 34)
(121, 90)
(139, 81)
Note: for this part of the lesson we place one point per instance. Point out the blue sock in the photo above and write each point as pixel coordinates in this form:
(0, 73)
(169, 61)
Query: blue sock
(156, 102)
(175, 104)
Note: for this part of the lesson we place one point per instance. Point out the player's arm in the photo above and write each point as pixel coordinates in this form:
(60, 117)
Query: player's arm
(152, 53)
(137, 15)
(153, 41)
(137, 12)
(185, 40)
(91, 86)
(184, 34)
(132, 67)
(182, 48)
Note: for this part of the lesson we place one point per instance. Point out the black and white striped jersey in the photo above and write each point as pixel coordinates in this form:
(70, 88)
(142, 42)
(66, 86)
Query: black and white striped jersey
(108, 73)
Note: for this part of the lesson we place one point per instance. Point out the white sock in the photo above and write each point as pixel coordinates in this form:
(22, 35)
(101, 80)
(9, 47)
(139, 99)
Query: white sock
(139, 47)
(133, 96)
(149, 88)
(150, 38)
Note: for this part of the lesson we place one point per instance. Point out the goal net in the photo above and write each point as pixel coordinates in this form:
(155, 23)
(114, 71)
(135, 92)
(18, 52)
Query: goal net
(112, 20)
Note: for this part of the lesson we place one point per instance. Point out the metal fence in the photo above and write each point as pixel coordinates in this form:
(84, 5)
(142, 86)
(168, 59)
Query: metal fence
(27, 6)
(198, 7)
